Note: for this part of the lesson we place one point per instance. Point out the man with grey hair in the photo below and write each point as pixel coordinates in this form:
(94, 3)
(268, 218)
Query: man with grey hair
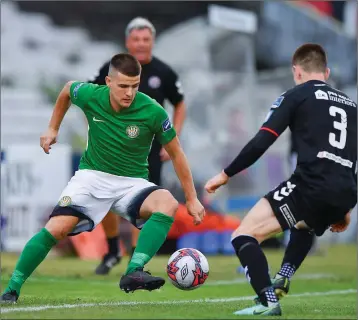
(160, 82)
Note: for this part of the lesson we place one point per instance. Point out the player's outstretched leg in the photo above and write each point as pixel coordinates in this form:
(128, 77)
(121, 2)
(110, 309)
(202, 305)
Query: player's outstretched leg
(113, 257)
(34, 252)
(159, 208)
(258, 225)
(300, 244)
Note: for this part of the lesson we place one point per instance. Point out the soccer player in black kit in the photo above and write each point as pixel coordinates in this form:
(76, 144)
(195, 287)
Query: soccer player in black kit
(161, 83)
(320, 193)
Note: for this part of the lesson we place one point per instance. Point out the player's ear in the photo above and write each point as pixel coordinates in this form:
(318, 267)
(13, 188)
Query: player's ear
(108, 81)
(327, 73)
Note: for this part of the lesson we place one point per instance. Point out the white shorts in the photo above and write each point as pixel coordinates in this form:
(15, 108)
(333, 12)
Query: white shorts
(90, 194)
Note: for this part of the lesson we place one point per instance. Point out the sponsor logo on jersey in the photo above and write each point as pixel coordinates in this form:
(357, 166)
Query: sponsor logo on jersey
(341, 99)
(336, 159)
(166, 125)
(321, 95)
(75, 90)
(154, 82)
(278, 102)
(65, 201)
(132, 131)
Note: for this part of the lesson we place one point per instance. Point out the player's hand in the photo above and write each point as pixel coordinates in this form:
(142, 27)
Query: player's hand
(196, 210)
(342, 225)
(164, 156)
(216, 182)
(48, 139)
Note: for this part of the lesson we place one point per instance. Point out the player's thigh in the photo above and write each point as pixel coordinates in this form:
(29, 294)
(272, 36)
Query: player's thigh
(61, 226)
(110, 224)
(160, 200)
(142, 200)
(77, 200)
(260, 223)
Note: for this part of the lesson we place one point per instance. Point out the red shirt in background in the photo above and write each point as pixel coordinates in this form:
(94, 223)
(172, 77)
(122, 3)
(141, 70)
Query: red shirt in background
(324, 7)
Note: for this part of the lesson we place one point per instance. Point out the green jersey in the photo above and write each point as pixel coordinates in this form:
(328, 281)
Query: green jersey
(119, 142)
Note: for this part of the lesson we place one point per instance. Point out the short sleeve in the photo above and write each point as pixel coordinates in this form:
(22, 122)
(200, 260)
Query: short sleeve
(173, 88)
(163, 128)
(81, 93)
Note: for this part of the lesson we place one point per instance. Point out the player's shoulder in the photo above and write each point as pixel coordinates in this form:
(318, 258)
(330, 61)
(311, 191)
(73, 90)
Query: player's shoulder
(323, 91)
(299, 93)
(89, 88)
(143, 100)
(161, 65)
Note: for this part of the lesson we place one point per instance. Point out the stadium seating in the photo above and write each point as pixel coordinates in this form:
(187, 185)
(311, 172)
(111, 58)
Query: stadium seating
(38, 57)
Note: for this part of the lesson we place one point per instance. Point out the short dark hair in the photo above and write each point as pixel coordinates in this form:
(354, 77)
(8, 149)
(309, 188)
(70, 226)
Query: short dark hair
(126, 64)
(311, 57)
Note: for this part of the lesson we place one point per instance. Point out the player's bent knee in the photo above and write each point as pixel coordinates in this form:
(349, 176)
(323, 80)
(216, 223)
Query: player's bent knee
(260, 234)
(61, 226)
(168, 204)
(161, 201)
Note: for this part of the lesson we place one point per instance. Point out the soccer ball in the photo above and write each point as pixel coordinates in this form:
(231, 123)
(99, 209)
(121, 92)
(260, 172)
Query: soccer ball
(187, 269)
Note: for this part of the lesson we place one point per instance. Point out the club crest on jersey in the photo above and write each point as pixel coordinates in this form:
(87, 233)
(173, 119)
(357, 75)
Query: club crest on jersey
(154, 82)
(75, 90)
(132, 131)
(166, 125)
(278, 102)
(65, 201)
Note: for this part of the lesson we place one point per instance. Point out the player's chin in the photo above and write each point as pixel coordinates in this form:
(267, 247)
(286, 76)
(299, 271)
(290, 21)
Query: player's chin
(126, 103)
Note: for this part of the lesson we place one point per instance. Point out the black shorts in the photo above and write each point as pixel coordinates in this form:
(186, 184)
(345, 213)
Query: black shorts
(291, 203)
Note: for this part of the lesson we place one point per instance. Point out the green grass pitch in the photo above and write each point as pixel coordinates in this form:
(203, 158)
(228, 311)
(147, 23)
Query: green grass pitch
(66, 288)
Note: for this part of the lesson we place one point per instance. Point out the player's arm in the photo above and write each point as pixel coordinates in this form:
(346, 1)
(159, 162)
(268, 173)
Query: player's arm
(76, 92)
(276, 122)
(181, 167)
(183, 172)
(167, 137)
(174, 93)
(179, 116)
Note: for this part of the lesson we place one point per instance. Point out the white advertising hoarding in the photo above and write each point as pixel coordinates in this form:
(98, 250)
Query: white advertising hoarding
(32, 182)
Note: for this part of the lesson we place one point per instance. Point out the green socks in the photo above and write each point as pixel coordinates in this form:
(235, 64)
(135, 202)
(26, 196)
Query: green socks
(151, 238)
(35, 251)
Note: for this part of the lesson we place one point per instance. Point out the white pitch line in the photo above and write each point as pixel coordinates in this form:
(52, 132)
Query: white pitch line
(173, 302)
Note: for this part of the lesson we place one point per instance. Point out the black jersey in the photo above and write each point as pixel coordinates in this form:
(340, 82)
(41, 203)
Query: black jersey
(323, 122)
(158, 81)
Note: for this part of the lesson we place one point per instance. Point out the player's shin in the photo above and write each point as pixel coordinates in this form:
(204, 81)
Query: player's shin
(34, 252)
(300, 244)
(255, 264)
(151, 238)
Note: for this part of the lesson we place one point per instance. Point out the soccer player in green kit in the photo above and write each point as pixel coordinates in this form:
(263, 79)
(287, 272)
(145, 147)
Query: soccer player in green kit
(113, 174)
